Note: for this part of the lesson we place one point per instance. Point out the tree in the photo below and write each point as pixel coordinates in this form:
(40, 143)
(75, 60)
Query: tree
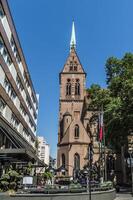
(120, 82)
(116, 99)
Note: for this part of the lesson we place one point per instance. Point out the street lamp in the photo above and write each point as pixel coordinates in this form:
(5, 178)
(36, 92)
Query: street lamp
(86, 173)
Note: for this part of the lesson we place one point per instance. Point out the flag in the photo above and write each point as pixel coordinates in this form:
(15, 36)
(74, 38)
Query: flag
(101, 127)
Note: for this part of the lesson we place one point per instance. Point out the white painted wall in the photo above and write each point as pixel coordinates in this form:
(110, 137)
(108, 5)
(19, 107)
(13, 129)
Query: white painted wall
(43, 150)
(13, 71)
(29, 90)
(24, 96)
(6, 27)
(47, 154)
(27, 119)
(21, 68)
(20, 129)
(7, 113)
(17, 103)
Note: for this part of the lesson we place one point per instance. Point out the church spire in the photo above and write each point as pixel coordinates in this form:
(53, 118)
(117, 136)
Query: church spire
(73, 38)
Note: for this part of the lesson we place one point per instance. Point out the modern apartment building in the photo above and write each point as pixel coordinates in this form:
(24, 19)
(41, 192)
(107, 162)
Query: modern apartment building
(43, 150)
(18, 99)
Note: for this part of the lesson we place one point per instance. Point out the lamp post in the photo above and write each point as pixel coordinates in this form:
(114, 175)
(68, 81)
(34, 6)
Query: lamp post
(90, 158)
(130, 151)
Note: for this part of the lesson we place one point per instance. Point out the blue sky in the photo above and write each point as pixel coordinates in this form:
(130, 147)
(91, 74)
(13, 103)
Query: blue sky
(104, 28)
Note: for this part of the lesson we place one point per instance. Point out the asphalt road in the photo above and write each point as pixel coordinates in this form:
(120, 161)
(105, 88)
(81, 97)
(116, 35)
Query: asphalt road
(124, 196)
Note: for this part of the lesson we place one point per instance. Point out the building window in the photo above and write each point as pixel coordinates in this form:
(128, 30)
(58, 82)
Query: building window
(2, 105)
(68, 87)
(9, 89)
(77, 87)
(6, 83)
(75, 68)
(28, 102)
(15, 50)
(26, 134)
(76, 131)
(18, 58)
(13, 95)
(76, 161)
(1, 12)
(9, 62)
(19, 84)
(71, 66)
(22, 110)
(1, 44)
(34, 114)
(4, 52)
(14, 121)
(63, 160)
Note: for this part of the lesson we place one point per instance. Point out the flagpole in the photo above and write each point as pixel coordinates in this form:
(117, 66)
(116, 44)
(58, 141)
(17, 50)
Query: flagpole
(105, 166)
(100, 146)
(102, 149)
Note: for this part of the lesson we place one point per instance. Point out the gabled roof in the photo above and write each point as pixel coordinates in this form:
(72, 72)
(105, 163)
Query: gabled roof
(72, 62)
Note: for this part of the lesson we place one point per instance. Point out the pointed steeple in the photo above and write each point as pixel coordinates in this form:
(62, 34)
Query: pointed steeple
(73, 38)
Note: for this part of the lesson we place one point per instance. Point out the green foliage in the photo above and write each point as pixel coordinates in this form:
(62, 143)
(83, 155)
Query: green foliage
(28, 169)
(75, 186)
(98, 97)
(51, 187)
(106, 184)
(1, 190)
(47, 175)
(116, 99)
(9, 180)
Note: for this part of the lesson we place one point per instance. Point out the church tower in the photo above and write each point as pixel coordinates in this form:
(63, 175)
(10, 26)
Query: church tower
(73, 139)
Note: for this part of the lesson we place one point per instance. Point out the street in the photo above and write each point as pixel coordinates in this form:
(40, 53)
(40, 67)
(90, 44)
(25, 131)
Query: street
(124, 196)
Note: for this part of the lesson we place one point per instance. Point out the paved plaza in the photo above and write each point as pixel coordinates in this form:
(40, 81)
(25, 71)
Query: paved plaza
(122, 196)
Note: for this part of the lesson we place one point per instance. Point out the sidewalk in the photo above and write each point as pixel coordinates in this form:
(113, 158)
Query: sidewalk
(123, 196)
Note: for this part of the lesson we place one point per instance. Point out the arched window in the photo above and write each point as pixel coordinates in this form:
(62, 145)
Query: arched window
(63, 160)
(75, 66)
(68, 87)
(76, 131)
(76, 161)
(77, 87)
(71, 66)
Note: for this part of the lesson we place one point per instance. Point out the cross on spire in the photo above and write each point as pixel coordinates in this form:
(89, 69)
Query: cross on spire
(73, 38)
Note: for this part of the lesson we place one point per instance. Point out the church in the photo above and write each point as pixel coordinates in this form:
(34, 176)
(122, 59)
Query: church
(75, 131)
